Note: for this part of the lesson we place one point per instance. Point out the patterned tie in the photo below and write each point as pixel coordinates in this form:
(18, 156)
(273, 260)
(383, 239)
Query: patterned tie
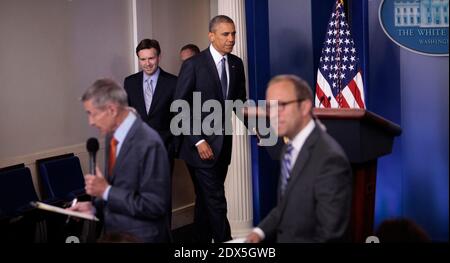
(112, 154)
(148, 94)
(286, 167)
(224, 79)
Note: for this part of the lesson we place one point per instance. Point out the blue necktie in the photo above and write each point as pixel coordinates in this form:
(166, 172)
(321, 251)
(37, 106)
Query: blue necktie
(223, 79)
(286, 167)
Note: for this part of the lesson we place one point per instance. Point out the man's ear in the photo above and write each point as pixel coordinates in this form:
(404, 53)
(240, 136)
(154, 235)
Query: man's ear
(211, 37)
(306, 107)
(112, 109)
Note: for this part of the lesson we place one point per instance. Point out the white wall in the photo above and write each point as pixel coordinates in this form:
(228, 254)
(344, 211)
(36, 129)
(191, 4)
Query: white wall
(52, 50)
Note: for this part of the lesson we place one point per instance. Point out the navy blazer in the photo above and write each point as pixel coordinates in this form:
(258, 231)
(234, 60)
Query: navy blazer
(159, 115)
(316, 206)
(199, 74)
(139, 199)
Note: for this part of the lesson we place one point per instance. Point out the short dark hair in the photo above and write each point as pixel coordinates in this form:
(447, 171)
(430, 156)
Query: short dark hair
(118, 237)
(302, 89)
(401, 230)
(191, 47)
(148, 44)
(218, 20)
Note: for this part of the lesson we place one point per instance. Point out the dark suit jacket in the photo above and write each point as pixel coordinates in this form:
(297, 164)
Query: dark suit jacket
(138, 202)
(316, 206)
(199, 74)
(159, 114)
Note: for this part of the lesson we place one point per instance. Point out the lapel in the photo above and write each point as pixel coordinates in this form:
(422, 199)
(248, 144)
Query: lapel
(158, 92)
(139, 91)
(213, 72)
(303, 158)
(125, 148)
(232, 71)
(106, 171)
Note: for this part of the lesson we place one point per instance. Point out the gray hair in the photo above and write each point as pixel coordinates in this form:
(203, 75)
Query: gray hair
(104, 91)
(218, 20)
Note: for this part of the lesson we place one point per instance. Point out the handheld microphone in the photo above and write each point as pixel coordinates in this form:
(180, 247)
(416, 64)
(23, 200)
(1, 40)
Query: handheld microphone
(92, 148)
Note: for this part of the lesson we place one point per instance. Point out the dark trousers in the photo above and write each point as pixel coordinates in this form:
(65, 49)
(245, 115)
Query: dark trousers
(210, 216)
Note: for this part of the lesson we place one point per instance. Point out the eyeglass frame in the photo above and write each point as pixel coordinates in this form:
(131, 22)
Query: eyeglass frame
(282, 105)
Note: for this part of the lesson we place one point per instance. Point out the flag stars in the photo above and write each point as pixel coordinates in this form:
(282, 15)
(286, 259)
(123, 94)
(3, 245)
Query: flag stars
(338, 61)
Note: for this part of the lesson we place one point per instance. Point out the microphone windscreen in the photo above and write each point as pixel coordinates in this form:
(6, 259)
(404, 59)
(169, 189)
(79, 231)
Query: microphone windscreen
(92, 145)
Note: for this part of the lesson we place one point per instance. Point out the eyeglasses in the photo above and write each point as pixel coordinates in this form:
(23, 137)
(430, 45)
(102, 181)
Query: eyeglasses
(280, 104)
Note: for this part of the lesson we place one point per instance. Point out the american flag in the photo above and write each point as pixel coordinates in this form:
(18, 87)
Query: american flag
(339, 79)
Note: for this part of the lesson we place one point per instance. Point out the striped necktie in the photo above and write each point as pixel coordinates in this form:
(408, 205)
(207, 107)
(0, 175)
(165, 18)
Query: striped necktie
(286, 167)
(148, 94)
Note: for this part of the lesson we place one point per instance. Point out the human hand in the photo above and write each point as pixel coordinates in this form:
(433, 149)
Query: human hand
(253, 238)
(96, 184)
(83, 207)
(205, 151)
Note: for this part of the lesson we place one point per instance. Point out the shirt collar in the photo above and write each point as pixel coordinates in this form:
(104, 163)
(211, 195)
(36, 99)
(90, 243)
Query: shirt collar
(216, 55)
(153, 77)
(123, 129)
(300, 138)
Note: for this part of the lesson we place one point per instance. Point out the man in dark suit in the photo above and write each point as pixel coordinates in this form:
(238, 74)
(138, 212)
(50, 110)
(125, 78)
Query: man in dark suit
(315, 186)
(214, 74)
(133, 195)
(151, 91)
